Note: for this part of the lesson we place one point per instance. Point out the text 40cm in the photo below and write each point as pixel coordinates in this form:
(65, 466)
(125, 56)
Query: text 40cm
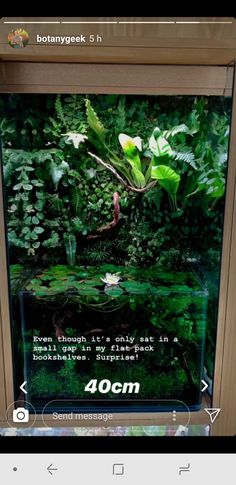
(106, 386)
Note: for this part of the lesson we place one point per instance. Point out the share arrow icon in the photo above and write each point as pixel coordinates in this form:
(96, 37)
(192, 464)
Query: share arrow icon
(213, 413)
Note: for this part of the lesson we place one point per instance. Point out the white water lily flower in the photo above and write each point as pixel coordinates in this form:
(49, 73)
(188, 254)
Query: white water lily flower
(127, 141)
(75, 138)
(111, 279)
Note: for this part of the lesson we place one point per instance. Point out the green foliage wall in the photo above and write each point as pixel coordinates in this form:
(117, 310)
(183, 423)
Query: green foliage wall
(58, 195)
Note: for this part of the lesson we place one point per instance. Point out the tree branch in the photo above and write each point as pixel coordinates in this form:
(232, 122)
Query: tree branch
(113, 223)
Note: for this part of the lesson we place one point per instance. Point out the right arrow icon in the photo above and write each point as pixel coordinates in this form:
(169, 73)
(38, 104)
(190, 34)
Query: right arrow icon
(213, 413)
(205, 385)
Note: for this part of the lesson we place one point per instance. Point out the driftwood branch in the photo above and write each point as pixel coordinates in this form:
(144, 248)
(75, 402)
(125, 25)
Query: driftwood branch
(121, 180)
(113, 223)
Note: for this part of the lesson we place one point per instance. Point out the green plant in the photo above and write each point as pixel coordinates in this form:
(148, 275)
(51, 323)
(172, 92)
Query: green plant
(76, 196)
(171, 184)
(169, 180)
(137, 174)
(68, 117)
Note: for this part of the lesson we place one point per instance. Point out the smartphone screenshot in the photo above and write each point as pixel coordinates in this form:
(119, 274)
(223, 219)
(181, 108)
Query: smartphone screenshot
(117, 244)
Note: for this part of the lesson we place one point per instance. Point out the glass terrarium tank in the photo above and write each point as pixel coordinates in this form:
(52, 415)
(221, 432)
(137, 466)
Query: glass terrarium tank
(143, 339)
(114, 216)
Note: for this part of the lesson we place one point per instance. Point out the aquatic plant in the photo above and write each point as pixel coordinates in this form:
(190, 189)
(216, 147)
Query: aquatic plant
(111, 279)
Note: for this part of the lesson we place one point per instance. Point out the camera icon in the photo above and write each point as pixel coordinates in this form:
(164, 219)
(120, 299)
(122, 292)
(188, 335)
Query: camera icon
(20, 415)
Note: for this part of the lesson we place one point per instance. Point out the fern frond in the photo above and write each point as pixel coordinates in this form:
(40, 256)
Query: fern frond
(76, 201)
(121, 116)
(187, 157)
(94, 122)
(175, 130)
(78, 224)
(59, 110)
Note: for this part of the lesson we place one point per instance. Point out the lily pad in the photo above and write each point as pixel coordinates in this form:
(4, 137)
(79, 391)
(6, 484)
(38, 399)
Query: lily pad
(39, 294)
(59, 288)
(58, 284)
(160, 291)
(114, 292)
(93, 282)
(81, 274)
(58, 267)
(87, 291)
(41, 291)
(36, 281)
(44, 277)
(136, 287)
(31, 287)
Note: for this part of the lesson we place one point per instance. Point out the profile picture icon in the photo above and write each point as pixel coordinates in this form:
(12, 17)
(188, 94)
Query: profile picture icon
(18, 38)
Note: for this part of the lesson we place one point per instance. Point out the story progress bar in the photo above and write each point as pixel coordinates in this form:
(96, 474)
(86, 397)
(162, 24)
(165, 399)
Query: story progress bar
(117, 22)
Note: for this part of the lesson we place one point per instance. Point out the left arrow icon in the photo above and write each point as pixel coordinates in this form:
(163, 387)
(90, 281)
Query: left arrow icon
(22, 387)
(50, 469)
